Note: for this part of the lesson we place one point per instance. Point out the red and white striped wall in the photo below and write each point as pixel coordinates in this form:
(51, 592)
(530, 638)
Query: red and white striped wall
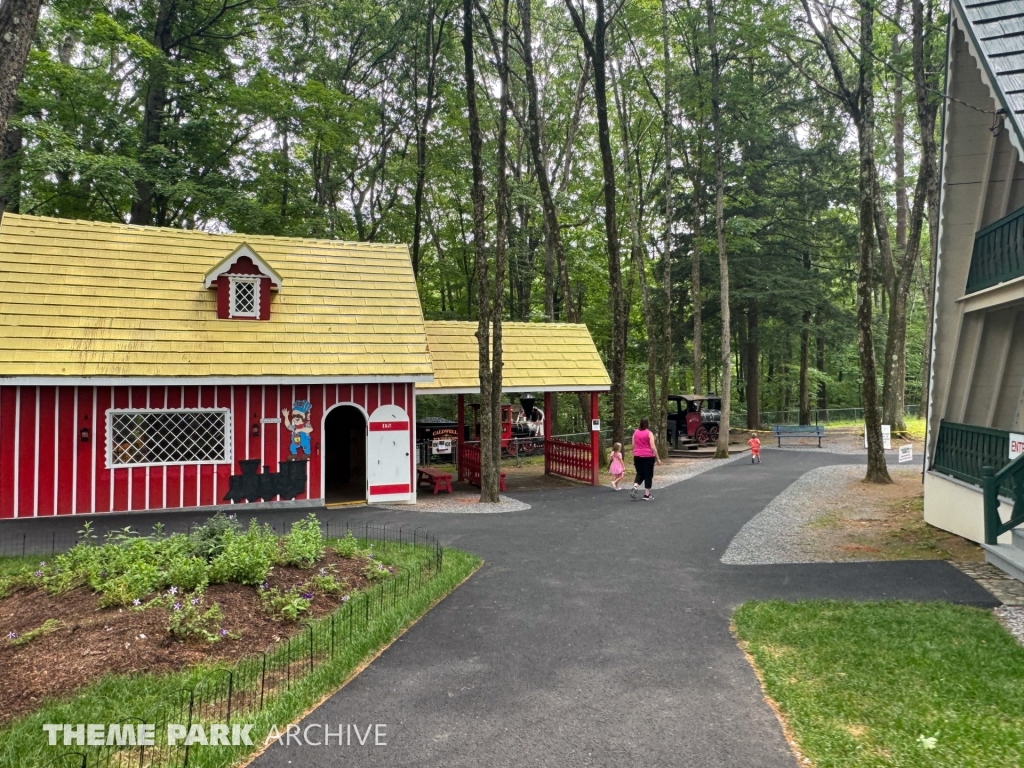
(47, 469)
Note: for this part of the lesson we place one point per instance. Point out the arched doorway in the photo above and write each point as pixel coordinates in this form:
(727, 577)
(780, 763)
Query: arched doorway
(344, 455)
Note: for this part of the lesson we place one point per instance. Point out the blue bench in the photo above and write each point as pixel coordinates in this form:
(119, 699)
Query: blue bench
(791, 430)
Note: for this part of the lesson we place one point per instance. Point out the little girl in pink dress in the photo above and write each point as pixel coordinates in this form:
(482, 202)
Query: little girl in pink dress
(617, 469)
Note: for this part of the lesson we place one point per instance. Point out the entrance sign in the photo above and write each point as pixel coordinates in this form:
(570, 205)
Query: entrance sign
(906, 453)
(1016, 445)
(441, 446)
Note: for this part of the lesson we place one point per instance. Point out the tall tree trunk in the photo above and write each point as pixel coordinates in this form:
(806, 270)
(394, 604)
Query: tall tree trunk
(819, 338)
(595, 49)
(422, 125)
(927, 105)
(10, 171)
(877, 472)
(153, 116)
(753, 368)
(698, 356)
(637, 256)
(722, 449)
(899, 138)
(666, 270)
(804, 415)
(18, 21)
(553, 251)
(487, 493)
(859, 102)
(490, 486)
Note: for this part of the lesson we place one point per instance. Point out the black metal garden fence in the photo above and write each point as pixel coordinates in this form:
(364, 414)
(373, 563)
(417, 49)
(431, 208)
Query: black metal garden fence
(245, 689)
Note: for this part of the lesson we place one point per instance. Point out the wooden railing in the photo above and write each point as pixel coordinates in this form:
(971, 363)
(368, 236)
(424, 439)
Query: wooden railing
(1010, 478)
(572, 460)
(998, 253)
(962, 450)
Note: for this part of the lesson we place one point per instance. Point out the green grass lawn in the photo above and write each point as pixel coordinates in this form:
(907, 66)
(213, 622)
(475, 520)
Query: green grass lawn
(915, 426)
(891, 684)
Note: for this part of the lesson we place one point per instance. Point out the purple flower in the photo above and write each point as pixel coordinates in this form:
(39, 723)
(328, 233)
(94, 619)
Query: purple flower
(323, 571)
(194, 601)
(390, 569)
(307, 595)
(172, 591)
(39, 574)
(42, 564)
(136, 602)
(345, 599)
(12, 635)
(223, 633)
(370, 555)
(177, 606)
(265, 586)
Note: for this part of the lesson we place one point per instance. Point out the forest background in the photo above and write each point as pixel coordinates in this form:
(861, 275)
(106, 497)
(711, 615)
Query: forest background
(580, 162)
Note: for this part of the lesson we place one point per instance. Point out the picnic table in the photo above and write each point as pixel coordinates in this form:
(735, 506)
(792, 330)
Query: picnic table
(441, 480)
(792, 430)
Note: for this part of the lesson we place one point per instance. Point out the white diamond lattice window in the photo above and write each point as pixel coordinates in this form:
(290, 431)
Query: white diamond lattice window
(144, 438)
(244, 298)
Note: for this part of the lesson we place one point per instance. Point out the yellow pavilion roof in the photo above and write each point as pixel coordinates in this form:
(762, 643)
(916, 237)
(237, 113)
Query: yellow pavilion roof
(537, 357)
(90, 299)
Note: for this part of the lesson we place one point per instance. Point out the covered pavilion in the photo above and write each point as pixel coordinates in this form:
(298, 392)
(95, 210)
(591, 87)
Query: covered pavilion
(538, 358)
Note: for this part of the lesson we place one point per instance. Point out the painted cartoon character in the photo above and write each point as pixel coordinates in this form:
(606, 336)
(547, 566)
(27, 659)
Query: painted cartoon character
(298, 424)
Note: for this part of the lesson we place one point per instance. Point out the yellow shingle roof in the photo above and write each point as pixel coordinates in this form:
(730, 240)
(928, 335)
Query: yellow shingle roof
(537, 357)
(89, 299)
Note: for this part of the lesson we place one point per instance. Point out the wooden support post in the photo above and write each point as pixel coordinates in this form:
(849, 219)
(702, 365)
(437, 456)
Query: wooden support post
(595, 441)
(460, 436)
(549, 426)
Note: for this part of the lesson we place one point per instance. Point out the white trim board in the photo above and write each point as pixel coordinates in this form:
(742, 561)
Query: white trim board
(204, 381)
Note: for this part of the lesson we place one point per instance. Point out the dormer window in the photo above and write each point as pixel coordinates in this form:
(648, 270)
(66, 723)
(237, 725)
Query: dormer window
(243, 297)
(243, 282)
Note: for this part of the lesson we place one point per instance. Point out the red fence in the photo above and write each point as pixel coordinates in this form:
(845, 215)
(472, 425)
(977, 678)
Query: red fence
(572, 460)
(469, 463)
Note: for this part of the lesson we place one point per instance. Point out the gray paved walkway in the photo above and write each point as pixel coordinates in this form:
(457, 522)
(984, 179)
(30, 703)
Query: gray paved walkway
(597, 634)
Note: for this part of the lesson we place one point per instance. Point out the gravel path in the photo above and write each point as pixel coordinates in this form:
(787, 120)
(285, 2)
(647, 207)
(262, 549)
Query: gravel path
(776, 534)
(460, 502)
(1012, 617)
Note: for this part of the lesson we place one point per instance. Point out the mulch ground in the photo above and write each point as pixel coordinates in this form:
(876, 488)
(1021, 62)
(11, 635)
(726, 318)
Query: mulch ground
(94, 641)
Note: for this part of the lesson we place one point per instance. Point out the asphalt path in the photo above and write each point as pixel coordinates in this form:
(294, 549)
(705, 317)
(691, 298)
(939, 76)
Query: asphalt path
(597, 634)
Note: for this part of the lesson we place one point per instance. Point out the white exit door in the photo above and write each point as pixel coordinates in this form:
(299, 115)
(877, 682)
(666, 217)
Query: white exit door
(388, 460)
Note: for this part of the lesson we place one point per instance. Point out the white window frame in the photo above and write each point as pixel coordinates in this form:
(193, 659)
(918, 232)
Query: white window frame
(233, 281)
(228, 435)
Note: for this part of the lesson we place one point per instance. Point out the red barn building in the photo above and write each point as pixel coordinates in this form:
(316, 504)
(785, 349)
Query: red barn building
(147, 369)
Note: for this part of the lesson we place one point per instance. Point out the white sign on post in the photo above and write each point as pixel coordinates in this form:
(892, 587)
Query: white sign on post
(1016, 445)
(440, 446)
(906, 453)
(886, 437)
(595, 425)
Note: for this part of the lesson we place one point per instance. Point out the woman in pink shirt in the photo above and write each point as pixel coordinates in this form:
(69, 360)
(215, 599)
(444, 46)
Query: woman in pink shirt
(645, 454)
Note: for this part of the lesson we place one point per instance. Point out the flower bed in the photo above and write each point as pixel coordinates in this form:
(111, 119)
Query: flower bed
(157, 604)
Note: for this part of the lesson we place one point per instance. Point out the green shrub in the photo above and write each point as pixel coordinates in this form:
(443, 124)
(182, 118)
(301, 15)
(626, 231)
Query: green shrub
(305, 544)
(188, 619)
(375, 571)
(139, 580)
(210, 539)
(347, 547)
(189, 573)
(247, 558)
(326, 582)
(286, 605)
